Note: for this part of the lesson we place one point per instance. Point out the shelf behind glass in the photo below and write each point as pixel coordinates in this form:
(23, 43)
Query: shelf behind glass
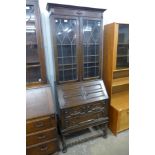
(33, 74)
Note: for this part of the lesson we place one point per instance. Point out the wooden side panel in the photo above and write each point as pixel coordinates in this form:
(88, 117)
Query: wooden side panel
(115, 45)
(108, 55)
(113, 118)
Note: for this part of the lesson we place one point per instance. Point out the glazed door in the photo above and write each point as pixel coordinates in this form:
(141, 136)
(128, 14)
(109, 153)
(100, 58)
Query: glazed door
(66, 43)
(33, 72)
(35, 66)
(91, 47)
(123, 47)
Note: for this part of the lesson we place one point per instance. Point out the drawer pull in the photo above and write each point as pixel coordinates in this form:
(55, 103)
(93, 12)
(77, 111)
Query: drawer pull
(39, 125)
(42, 137)
(44, 148)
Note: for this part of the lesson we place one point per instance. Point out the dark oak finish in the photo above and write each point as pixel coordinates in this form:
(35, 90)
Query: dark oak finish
(35, 59)
(74, 8)
(77, 36)
(80, 93)
(82, 105)
(77, 39)
(41, 123)
(116, 74)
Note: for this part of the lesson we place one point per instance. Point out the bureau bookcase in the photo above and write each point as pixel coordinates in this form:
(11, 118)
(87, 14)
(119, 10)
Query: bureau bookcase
(116, 74)
(41, 123)
(77, 39)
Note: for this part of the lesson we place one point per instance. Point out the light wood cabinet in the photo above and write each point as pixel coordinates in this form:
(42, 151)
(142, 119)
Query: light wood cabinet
(116, 74)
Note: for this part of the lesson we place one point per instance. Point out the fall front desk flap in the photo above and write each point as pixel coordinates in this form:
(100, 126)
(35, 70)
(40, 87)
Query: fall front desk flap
(78, 93)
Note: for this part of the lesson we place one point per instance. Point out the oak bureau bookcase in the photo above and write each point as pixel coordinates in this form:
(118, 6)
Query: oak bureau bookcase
(41, 124)
(77, 35)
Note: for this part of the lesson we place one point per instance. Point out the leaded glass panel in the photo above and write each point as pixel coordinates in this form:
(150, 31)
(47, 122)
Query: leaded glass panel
(66, 46)
(33, 72)
(91, 47)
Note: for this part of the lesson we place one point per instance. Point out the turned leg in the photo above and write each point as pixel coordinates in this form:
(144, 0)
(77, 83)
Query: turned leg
(64, 147)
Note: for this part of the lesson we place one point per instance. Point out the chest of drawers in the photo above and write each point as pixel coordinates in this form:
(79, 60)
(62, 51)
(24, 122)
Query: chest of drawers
(41, 123)
(81, 105)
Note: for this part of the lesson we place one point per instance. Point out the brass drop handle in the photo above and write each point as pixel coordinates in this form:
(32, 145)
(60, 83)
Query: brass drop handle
(42, 137)
(40, 124)
(44, 148)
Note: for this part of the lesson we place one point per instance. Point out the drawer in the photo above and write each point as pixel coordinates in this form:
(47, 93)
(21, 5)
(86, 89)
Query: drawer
(43, 148)
(123, 122)
(41, 136)
(82, 110)
(82, 119)
(39, 124)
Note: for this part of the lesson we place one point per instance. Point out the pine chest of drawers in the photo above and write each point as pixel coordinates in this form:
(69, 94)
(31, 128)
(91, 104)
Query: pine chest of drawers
(81, 105)
(41, 124)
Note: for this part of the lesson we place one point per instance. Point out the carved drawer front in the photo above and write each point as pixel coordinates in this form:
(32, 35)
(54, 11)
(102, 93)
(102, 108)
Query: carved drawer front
(123, 122)
(83, 114)
(40, 124)
(41, 136)
(43, 149)
(83, 110)
(77, 120)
